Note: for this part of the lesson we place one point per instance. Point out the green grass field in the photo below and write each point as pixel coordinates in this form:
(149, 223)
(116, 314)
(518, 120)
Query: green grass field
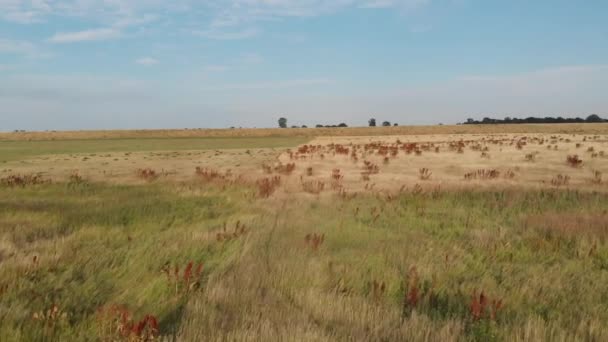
(14, 150)
(212, 260)
(87, 246)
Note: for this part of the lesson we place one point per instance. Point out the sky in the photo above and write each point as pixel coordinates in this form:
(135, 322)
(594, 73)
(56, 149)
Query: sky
(121, 64)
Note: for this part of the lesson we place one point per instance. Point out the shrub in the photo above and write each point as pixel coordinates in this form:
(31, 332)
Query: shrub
(267, 186)
(574, 160)
(424, 173)
(23, 180)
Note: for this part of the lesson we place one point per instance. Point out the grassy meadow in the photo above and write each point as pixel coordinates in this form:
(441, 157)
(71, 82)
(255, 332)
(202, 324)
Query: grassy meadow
(21, 149)
(257, 255)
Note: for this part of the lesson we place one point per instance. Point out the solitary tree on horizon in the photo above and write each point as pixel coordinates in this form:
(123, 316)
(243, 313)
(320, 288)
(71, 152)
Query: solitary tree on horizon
(594, 118)
(283, 122)
(386, 123)
(372, 122)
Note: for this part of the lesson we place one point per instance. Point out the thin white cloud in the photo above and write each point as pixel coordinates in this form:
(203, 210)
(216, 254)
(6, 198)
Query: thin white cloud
(22, 48)
(216, 68)
(86, 35)
(211, 19)
(270, 84)
(250, 58)
(8, 46)
(393, 3)
(147, 61)
(227, 35)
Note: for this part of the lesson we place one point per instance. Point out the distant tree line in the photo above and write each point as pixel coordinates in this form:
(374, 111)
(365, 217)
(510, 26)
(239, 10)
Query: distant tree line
(331, 126)
(371, 122)
(283, 124)
(532, 120)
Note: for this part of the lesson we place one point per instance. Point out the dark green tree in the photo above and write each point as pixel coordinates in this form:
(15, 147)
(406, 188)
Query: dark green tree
(283, 123)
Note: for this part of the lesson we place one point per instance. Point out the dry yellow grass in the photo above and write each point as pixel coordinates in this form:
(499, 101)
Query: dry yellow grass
(538, 161)
(534, 163)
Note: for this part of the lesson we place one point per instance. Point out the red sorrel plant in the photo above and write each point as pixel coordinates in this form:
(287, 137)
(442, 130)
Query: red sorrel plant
(23, 180)
(412, 292)
(267, 168)
(409, 147)
(336, 179)
(482, 307)
(346, 195)
(365, 176)
(336, 175)
(225, 235)
(424, 173)
(530, 157)
(314, 241)
(597, 177)
(115, 323)
(285, 169)
(267, 186)
(75, 178)
(574, 161)
(417, 189)
(339, 149)
(147, 174)
(509, 174)
(207, 175)
(370, 167)
(482, 174)
(50, 319)
(186, 282)
(560, 180)
(313, 186)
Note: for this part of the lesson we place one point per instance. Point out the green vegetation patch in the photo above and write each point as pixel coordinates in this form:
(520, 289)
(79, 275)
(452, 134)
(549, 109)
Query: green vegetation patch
(208, 262)
(14, 150)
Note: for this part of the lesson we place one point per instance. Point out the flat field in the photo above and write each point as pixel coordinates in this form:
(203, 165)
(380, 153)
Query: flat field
(414, 233)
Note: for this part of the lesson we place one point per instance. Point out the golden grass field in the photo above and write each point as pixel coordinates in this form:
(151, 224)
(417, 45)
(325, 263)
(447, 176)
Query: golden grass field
(438, 233)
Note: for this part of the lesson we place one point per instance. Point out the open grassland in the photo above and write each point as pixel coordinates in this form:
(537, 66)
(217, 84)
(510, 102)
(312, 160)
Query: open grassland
(438, 237)
(583, 128)
(92, 261)
(23, 149)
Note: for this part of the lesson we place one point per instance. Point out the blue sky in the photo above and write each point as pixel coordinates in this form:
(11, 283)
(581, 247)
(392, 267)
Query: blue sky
(86, 64)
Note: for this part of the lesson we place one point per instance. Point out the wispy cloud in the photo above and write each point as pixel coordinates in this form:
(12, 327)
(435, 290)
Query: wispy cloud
(86, 35)
(227, 35)
(270, 84)
(147, 61)
(222, 19)
(8, 46)
(216, 68)
(23, 48)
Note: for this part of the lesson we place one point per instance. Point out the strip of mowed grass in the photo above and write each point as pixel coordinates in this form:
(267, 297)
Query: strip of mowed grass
(14, 150)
